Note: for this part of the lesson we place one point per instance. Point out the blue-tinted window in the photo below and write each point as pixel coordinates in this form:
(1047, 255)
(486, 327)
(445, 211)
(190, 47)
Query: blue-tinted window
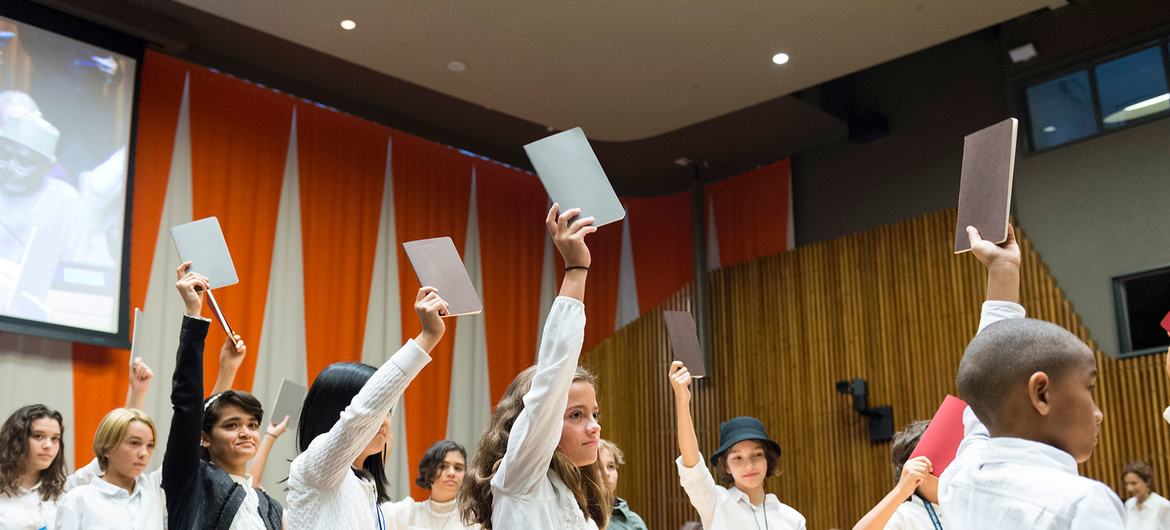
(1132, 87)
(1061, 110)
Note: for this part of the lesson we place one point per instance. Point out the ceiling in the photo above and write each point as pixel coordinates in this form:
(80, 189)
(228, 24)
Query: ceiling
(649, 81)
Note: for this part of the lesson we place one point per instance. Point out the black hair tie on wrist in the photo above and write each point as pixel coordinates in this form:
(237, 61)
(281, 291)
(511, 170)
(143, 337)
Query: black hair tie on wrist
(576, 267)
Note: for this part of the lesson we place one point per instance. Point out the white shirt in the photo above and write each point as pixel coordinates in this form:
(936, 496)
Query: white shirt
(323, 491)
(248, 516)
(100, 505)
(1154, 514)
(409, 514)
(27, 511)
(526, 493)
(723, 508)
(1009, 483)
(912, 515)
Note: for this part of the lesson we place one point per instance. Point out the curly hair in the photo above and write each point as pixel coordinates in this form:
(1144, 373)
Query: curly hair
(587, 483)
(14, 444)
(432, 462)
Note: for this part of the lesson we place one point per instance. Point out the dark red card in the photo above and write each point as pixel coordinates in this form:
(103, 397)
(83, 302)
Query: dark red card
(1166, 323)
(941, 440)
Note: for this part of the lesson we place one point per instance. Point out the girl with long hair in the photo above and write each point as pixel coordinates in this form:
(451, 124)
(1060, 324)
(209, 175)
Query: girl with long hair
(32, 467)
(339, 479)
(536, 466)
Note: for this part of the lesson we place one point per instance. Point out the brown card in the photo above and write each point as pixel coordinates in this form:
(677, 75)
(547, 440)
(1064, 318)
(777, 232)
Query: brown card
(684, 340)
(437, 264)
(985, 192)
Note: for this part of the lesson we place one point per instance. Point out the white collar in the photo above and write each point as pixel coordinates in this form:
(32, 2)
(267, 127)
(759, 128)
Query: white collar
(1019, 450)
(770, 501)
(118, 491)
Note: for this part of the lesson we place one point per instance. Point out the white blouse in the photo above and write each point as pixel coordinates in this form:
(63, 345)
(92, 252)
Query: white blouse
(723, 508)
(526, 493)
(323, 491)
(409, 514)
(27, 511)
(912, 515)
(1154, 514)
(248, 516)
(100, 505)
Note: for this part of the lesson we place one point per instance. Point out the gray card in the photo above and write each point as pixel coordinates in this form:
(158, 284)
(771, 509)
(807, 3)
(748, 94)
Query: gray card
(437, 264)
(573, 177)
(201, 242)
(985, 191)
(684, 340)
(289, 399)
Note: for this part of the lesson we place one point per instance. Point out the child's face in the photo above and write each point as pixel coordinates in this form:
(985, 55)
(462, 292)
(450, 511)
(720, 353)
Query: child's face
(580, 432)
(44, 443)
(609, 467)
(130, 457)
(1073, 414)
(1135, 486)
(449, 477)
(234, 437)
(747, 464)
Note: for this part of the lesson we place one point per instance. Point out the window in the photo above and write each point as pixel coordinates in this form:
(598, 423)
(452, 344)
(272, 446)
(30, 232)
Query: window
(1142, 299)
(1110, 94)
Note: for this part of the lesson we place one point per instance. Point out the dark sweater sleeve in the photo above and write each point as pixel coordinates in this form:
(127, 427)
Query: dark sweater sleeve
(180, 467)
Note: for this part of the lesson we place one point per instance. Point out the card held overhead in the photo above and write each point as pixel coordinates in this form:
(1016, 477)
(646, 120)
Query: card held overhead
(201, 242)
(985, 189)
(437, 264)
(684, 340)
(573, 177)
(289, 399)
(941, 440)
(1166, 322)
(134, 327)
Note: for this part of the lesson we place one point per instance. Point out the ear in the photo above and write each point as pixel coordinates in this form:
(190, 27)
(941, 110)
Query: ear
(1039, 392)
(204, 441)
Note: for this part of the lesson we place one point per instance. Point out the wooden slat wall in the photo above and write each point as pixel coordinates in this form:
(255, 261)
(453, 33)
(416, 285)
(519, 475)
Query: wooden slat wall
(892, 305)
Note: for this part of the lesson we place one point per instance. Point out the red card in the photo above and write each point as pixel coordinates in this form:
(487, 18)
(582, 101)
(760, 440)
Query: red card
(1166, 323)
(941, 440)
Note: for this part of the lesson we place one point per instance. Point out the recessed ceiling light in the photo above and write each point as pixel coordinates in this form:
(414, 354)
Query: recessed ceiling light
(1050, 129)
(456, 66)
(780, 58)
(348, 24)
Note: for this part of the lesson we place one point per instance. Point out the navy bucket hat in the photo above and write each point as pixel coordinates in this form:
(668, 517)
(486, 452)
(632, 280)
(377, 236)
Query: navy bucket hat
(739, 429)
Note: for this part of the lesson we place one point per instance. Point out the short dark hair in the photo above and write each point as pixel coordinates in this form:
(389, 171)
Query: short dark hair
(214, 405)
(1142, 470)
(771, 455)
(1006, 353)
(432, 462)
(331, 392)
(14, 436)
(905, 441)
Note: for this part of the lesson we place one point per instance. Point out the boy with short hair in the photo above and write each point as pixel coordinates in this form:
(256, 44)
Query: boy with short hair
(1031, 419)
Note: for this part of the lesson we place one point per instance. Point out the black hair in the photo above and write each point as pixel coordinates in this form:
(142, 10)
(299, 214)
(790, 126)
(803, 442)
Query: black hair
(432, 462)
(1005, 354)
(331, 392)
(213, 406)
(905, 441)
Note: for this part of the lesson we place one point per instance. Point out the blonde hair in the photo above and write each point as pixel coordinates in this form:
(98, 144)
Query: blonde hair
(112, 430)
(619, 457)
(587, 483)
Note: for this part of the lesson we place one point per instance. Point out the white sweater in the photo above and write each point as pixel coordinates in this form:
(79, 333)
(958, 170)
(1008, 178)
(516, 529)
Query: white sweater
(526, 493)
(323, 491)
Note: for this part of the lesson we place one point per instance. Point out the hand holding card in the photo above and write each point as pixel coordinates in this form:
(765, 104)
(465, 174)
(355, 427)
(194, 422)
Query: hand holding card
(941, 440)
(985, 190)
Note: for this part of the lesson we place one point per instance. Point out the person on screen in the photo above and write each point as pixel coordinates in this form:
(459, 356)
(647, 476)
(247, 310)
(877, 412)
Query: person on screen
(29, 201)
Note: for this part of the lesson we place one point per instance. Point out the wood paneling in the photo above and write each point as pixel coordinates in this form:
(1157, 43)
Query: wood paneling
(891, 305)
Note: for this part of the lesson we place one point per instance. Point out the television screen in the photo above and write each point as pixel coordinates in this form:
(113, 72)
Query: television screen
(1142, 300)
(66, 115)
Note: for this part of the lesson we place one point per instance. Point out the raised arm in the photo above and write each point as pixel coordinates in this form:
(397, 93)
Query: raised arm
(913, 473)
(688, 441)
(231, 356)
(181, 457)
(534, 436)
(140, 377)
(327, 460)
(262, 452)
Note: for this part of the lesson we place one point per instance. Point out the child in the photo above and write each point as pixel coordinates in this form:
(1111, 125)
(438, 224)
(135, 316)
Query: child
(32, 467)
(123, 496)
(1031, 419)
(537, 462)
(746, 456)
(1144, 509)
(339, 478)
(441, 471)
(913, 503)
(610, 456)
(211, 441)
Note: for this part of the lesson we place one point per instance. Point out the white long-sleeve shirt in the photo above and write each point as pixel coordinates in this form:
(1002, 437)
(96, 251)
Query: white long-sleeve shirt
(27, 510)
(526, 493)
(723, 508)
(1013, 483)
(1154, 514)
(323, 491)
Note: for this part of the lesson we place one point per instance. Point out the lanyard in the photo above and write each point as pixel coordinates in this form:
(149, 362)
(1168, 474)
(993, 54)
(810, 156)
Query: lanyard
(930, 511)
(763, 509)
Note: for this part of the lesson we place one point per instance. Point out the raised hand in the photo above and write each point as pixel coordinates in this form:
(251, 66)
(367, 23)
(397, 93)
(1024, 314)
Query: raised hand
(140, 377)
(992, 255)
(232, 352)
(191, 286)
(430, 308)
(913, 473)
(570, 238)
(680, 381)
(277, 429)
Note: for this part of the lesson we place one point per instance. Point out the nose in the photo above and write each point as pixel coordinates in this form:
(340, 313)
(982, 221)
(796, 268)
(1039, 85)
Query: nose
(1098, 415)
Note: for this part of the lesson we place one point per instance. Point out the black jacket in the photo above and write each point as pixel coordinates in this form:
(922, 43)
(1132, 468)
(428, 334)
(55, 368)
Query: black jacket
(199, 494)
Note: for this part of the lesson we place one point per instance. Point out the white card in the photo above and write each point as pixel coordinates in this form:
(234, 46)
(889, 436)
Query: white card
(201, 242)
(573, 176)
